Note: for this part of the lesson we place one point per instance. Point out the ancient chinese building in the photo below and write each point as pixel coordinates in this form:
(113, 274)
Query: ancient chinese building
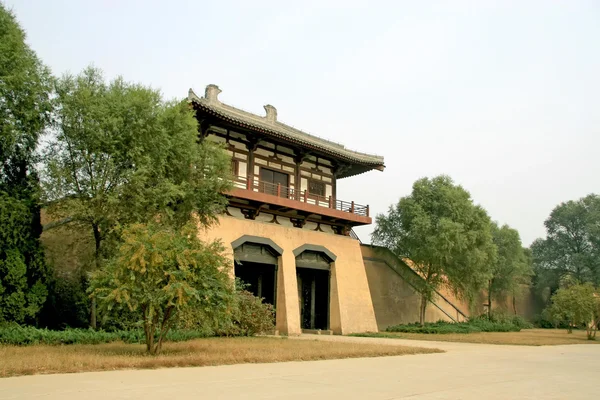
(288, 230)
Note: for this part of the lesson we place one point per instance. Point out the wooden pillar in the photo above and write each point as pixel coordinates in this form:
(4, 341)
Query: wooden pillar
(313, 294)
(300, 299)
(297, 176)
(251, 146)
(259, 286)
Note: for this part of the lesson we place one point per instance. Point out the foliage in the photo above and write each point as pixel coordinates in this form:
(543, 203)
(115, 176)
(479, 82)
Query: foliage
(572, 244)
(251, 316)
(443, 327)
(505, 318)
(162, 272)
(22, 269)
(68, 250)
(577, 305)
(67, 304)
(24, 113)
(22, 336)
(122, 155)
(25, 106)
(245, 315)
(546, 321)
(446, 237)
(512, 267)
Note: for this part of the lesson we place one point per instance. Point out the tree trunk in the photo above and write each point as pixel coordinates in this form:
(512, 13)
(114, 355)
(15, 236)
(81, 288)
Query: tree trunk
(164, 329)
(149, 329)
(514, 304)
(97, 241)
(422, 309)
(489, 299)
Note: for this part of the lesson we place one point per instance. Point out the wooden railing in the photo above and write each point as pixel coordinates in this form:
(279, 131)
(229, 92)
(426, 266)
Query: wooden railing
(256, 185)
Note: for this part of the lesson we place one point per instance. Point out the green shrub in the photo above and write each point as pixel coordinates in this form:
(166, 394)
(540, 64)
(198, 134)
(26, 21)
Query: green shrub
(521, 322)
(540, 321)
(505, 319)
(472, 326)
(14, 334)
(544, 321)
(251, 316)
(67, 305)
(247, 316)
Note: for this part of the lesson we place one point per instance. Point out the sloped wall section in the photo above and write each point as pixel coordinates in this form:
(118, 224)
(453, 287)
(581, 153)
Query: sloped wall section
(396, 298)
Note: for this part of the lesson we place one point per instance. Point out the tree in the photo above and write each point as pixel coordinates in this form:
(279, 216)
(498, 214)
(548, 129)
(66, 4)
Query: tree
(122, 155)
(446, 237)
(164, 273)
(572, 244)
(576, 305)
(511, 269)
(22, 269)
(25, 106)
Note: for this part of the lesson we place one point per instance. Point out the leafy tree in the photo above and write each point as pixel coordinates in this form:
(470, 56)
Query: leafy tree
(446, 237)
(577, 305)
(164, 273)
(68, 250)
(22, 270)
(122, 155)
(512, 268)
(25, 106)
(572, 244)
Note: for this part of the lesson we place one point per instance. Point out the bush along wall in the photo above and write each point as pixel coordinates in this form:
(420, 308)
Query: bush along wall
(494, 323)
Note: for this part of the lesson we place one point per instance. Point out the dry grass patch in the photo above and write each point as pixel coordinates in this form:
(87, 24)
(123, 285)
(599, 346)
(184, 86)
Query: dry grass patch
(527, 337)
(43, 359)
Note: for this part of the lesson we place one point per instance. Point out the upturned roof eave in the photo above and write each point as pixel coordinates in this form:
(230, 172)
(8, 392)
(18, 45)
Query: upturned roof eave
(284, 132)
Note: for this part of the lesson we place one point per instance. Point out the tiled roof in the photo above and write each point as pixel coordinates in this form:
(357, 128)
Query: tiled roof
(270, 126)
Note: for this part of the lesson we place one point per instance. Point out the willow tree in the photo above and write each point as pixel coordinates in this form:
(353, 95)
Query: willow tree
(444, 234)
(122, 155)
(25, 86)
(511, 270)
(571, 248)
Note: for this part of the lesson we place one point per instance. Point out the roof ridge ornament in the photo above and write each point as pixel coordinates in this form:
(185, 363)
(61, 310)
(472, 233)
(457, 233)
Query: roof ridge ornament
(212, 93)
(271, 113)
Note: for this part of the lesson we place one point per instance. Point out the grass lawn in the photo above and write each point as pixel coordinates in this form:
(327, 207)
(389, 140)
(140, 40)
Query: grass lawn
(527, 337)
(45, 359)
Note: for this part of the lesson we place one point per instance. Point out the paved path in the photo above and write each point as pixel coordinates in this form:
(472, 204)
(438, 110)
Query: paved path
(465, 371)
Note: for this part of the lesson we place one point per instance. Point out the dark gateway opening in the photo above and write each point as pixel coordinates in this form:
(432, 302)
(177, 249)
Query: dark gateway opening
(313, 293)
(259, 277)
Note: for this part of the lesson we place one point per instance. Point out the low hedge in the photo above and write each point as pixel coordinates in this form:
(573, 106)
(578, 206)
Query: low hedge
(479, 324)
(26, 335)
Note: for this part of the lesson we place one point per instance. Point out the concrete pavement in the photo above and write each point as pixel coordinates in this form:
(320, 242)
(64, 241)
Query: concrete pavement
(465, 371)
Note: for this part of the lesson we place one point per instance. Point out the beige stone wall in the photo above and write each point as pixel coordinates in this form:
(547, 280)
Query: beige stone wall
(394, 300)
(526, 304)
(351, 308)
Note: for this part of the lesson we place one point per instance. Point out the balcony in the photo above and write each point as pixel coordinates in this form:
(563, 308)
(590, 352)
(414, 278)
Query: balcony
(252, 189)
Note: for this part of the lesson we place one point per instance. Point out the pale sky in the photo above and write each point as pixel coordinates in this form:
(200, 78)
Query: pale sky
(503, 96)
